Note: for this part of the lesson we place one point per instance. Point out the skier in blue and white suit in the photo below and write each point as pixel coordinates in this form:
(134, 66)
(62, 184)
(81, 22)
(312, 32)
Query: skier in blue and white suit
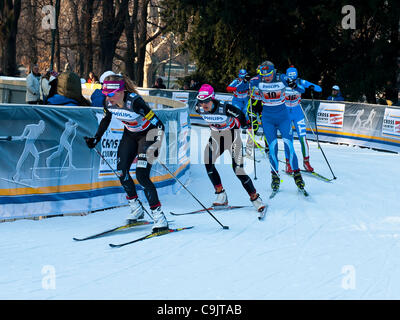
(271, 90)
(293, 99)
(240, 89)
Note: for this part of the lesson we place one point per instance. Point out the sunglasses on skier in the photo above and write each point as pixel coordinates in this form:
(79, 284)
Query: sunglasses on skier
(204, 101)
(110, 88)
(266, 71)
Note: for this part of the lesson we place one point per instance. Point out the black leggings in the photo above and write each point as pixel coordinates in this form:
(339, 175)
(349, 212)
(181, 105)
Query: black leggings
(132, 145)
(217, 144)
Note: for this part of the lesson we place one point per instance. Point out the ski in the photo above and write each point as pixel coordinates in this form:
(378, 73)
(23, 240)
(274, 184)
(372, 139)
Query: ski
(261, 215)
(312, 174)
(304, 192)
(216, 208)
(273, 193)
(316, 175)
(125, 226)
(148, 236)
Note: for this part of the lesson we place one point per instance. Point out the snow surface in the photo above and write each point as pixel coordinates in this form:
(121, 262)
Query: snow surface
(342, 243)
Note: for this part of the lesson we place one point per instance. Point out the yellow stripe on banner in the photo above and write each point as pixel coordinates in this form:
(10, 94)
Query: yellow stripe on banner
(356, 135)
(83, 186)
(336, 110)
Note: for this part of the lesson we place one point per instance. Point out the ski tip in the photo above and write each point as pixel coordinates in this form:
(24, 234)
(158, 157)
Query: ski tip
(262, 214)
(225, 227)
(77, 239)
(114, 245)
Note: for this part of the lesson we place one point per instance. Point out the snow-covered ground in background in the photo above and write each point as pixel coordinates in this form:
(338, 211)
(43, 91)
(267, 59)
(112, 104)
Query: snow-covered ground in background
(341, 243)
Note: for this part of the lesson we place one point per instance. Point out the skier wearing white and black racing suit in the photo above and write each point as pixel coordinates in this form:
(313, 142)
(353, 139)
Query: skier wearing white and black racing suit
(224, 120)
(142, 137)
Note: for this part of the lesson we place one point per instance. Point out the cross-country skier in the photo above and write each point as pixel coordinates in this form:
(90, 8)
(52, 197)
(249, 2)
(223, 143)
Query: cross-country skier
(254, 111)
(143, 133)
(293, 99)
(240, 89)
(224, 120)
(270, 89)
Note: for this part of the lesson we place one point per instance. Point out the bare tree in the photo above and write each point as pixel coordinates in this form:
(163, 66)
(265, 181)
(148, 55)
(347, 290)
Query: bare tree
(9, 15)
(110, 30)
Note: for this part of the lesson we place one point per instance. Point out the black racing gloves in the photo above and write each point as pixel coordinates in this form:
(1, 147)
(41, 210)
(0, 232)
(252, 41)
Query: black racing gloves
(91, 142)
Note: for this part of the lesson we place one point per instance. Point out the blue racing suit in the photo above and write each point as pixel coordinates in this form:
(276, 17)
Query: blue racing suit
(275, 116)
(240, 89)
(296, 116)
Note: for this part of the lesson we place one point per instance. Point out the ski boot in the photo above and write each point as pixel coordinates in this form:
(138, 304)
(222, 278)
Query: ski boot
(137, 211)
(289, 169)
(257, 202)
(306, 164)
(160, 222)
(275, 182)
(222, 198)
(298, 179)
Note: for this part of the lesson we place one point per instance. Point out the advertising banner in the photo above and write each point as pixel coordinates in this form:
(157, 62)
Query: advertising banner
(391, 123)
(330, 115)
(47, 169)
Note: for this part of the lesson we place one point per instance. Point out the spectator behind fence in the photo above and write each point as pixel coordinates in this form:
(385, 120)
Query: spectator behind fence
(336, 95)
(33, 86)
(185, 86)
(194, 85)
(97, 98)
(44, 87)
(53, 84)
(69, 91)
(92, 78)
(159, 84)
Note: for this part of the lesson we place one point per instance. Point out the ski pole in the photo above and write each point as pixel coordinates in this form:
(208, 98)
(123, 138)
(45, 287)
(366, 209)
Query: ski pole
(252, 130)
(108, 164)
(316, 134)
(169, 171)
(118, 176)
(8, 138)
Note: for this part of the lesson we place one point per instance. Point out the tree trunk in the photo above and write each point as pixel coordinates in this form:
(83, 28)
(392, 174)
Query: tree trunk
(87, 18)
(110, 30)
(130, 54)
(141, 44)
(8, 35)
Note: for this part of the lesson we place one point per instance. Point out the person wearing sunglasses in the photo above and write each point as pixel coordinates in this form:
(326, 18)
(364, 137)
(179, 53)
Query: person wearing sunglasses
(270, 90)
(142, 137)
(293, 100)
(225, 121)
